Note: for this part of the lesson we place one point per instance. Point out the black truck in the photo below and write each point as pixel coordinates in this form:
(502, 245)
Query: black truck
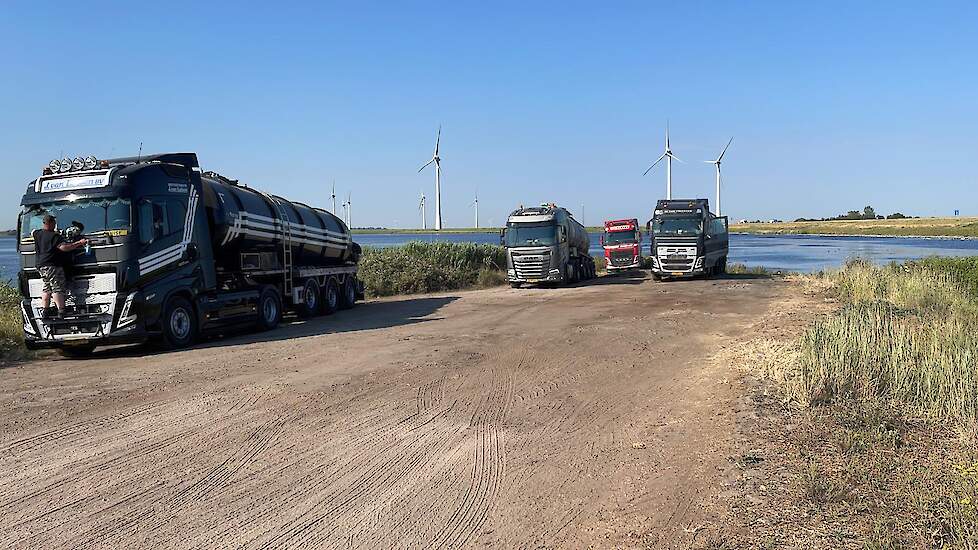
(175, 253)
(687, 239)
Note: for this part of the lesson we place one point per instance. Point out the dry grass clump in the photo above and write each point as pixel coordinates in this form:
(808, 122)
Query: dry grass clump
(879, 448)
(906, 334)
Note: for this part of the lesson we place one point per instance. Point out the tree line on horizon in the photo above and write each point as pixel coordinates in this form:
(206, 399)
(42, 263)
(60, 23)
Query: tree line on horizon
(867, 213)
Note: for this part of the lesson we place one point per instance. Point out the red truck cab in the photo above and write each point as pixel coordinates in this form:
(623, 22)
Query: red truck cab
(622, 243)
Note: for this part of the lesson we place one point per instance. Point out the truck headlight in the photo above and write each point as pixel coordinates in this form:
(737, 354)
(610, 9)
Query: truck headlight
(699, 263)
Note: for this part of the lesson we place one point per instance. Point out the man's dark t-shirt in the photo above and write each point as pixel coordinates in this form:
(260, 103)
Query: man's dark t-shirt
(46, 247)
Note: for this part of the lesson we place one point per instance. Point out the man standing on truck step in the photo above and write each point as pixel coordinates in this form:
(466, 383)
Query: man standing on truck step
(49, 250)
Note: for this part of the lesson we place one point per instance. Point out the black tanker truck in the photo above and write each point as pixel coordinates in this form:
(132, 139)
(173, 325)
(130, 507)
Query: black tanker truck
(175, 253)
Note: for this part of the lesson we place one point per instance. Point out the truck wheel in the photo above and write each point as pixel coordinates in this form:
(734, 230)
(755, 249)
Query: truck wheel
(348, 294)
(77, 352)
(570, 274)
(311, 304)
(269, 309)
(331, 296)
(722, 266)
(179, 323)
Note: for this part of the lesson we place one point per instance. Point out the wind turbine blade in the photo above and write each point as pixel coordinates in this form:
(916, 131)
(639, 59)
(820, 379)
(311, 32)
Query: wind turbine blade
(676, 158)
(724, 149)
(426, 164)
(654, 163)
(438, 140)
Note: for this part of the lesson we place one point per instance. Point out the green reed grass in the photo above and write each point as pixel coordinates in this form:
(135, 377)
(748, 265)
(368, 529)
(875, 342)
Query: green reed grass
(420, 267)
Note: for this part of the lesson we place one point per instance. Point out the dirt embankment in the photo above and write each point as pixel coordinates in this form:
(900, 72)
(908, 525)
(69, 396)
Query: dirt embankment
(561, 417)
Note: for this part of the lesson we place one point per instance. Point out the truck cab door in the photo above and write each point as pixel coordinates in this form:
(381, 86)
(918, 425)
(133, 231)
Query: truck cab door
(160, 227)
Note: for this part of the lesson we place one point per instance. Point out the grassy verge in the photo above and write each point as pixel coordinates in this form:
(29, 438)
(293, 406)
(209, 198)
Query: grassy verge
(456, 230)
(911, 227)
(11, 325)
(420, 267)
(741, 269)
(883, 449)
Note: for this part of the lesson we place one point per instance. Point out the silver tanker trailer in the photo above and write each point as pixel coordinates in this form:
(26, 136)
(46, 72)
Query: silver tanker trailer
(545, 244)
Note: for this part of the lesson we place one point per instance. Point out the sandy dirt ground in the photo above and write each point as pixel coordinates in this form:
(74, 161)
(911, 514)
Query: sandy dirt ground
(590, 416)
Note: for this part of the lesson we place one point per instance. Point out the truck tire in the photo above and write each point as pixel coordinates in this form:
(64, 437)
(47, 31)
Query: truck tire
(722, 268)
(331, 296)
(311, 304)
(77, 352)
(179, 323)
(570, 273)
(348, 293)
(269, 308)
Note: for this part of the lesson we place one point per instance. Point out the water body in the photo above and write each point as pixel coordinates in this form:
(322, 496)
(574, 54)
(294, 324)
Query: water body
(803, 253)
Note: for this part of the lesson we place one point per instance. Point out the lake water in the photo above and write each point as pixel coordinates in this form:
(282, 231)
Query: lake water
(784, 252)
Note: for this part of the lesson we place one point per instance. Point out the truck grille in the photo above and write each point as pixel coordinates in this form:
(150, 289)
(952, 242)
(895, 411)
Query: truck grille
(676, 258)
(532, 266)
(623, 257)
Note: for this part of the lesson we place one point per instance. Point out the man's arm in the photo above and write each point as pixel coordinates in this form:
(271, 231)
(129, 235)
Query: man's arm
(68, 247)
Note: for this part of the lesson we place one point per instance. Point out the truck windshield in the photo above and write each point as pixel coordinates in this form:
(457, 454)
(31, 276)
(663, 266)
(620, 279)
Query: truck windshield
(621, 237)
(95, 215)
(677, 226)
(523, 234)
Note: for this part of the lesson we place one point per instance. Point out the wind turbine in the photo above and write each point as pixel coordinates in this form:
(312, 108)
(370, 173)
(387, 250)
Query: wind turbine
(668, 156)
(333, 196)
(349, 210)
(717, 164)
(437, 160)
(424, 217)
(476, 205)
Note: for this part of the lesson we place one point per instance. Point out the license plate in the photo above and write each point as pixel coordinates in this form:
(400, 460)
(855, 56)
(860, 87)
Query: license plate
(677, 272)
(533, 280)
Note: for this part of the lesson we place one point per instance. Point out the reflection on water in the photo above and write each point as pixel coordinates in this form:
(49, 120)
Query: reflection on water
(784, 252)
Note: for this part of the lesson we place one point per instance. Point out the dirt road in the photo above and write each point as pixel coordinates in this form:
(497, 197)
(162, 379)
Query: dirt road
(568, 417)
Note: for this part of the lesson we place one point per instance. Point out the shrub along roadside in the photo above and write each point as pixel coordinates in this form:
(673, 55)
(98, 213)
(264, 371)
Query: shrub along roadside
(420, 267)
(11, 325)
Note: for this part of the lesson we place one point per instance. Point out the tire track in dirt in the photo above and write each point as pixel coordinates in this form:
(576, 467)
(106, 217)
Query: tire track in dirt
(488, 465)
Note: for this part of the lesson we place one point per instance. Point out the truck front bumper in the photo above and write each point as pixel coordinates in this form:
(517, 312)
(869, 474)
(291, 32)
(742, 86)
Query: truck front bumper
(553, 276)
(72, 334)
(696, 268)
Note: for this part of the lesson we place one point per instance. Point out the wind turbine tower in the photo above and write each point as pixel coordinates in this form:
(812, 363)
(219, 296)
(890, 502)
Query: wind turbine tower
(349, 210)
(476, 205)
(333, 196)
(437, 160)
(716, 163)
(424, 217)
(668, 155)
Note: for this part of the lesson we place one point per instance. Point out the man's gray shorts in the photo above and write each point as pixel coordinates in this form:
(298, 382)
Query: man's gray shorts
(54, 278)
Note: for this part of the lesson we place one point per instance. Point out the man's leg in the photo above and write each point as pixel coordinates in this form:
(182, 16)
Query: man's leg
(45, 300)
(59, 300)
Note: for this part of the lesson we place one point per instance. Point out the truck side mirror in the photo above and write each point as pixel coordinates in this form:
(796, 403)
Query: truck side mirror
(601, 239)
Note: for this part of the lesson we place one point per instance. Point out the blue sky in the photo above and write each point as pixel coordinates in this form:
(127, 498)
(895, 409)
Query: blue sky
(832, 106)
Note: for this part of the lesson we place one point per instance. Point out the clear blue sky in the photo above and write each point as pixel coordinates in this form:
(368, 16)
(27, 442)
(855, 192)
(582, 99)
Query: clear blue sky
(832, 106)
